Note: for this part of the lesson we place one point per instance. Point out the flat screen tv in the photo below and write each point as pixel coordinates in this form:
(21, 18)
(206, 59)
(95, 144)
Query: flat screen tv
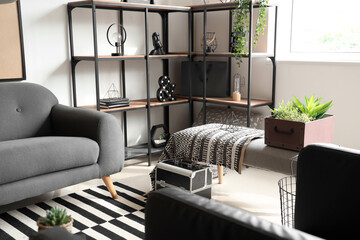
(217, 81)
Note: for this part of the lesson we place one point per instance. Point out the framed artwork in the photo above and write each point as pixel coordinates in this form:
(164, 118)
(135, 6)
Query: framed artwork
(12, 58)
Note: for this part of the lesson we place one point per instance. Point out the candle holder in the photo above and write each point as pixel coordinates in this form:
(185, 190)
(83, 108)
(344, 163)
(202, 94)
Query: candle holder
(236, 91)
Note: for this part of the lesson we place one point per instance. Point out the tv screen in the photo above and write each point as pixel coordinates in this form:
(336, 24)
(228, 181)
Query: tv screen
(217, 81)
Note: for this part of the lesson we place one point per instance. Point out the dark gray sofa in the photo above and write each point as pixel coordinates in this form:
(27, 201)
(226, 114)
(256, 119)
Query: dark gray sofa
(326, 205)
(45, 146)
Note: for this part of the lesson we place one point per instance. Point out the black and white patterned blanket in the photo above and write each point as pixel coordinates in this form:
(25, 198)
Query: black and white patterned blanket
(211, 143)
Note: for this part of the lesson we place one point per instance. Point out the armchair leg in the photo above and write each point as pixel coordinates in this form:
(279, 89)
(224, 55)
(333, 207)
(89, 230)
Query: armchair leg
(108, 182)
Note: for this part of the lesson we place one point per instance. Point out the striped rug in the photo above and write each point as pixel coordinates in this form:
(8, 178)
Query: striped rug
(96, 215)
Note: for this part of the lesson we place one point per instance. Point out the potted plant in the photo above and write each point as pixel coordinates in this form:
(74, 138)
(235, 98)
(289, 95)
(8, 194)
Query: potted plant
(55, 217)
(295, 125)
(241, 26)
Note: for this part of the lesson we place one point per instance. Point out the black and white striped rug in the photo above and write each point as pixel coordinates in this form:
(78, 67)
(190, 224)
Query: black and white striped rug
(95, 214)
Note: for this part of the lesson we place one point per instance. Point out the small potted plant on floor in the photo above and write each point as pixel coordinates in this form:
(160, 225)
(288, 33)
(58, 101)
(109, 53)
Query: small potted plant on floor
(295, 124)
(55, 217)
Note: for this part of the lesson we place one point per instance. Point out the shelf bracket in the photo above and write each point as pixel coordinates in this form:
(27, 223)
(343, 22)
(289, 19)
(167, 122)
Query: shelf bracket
(70, 8)
(74, 62)
(272, 60)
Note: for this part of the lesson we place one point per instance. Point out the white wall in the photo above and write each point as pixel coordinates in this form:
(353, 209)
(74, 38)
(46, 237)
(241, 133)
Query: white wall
(334, 81)
(46, 46)
(48, 63)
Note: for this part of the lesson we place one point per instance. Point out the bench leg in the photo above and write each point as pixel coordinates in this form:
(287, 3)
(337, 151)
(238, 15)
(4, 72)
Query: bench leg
(220, 173)
(108, 182)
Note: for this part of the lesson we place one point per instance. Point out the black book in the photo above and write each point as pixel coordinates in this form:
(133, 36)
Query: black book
(114, 106)
(114, 101)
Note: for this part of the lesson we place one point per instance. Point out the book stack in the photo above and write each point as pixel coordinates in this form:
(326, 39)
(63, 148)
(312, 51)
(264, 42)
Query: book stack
(114, 102)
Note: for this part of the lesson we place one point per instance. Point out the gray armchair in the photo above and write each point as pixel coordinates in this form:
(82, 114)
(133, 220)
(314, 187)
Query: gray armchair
(45, 146)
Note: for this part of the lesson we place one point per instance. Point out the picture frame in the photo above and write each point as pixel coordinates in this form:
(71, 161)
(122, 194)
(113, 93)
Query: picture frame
(12, 56)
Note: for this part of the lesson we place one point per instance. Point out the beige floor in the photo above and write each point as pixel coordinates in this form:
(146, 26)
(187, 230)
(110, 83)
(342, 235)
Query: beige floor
(255, 190)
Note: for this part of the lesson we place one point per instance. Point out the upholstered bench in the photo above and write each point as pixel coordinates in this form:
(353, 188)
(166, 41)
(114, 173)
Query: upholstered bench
(259, 155)
(229, 146)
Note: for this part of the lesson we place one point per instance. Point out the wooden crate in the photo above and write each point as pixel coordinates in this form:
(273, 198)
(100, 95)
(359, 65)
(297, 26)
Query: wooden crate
(296, 135)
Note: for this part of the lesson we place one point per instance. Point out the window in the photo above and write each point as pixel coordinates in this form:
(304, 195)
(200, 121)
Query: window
(325, 26)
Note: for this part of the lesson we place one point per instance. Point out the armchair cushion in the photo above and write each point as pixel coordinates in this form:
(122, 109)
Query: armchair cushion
(29, 157)
(102, 128)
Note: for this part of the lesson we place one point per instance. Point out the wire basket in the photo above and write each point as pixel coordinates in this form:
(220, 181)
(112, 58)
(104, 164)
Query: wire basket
(287, 188)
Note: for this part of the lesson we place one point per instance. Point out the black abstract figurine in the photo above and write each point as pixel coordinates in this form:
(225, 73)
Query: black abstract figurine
(157, 45)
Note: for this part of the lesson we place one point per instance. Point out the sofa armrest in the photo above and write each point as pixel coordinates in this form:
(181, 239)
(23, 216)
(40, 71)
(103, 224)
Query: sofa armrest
(100, 127)
(172, 213)
(327, 191)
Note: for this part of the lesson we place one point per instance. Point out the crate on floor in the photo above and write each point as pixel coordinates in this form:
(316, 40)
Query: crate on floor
(193, 177)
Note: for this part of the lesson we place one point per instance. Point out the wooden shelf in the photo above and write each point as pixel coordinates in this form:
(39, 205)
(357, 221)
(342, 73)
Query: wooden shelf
(229, 101)
(170, 55)
(220, 6)
(133, 105)
(109, 58)
(229, 54)
(103, 4)
(131, 57)
(139, 104)
(214, 6)
(155, 103)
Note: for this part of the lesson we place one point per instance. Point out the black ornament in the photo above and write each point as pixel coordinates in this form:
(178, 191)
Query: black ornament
(166, 89)
(157, 45)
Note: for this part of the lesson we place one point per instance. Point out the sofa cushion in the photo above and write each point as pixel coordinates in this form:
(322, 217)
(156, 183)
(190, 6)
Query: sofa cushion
(25, 110)
(23, 158)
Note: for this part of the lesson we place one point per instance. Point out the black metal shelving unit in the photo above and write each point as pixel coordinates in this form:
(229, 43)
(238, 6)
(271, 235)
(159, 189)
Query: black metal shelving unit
(247, 103)
(147, 103)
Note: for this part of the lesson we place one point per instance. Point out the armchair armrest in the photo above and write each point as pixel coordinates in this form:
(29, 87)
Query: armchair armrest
(100, 127)
(327, 191)
(172, 213)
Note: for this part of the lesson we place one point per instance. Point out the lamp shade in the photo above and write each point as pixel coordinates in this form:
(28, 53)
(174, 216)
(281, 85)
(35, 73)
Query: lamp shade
(7, 1)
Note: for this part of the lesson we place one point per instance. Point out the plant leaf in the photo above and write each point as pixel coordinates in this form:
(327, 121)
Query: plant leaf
(299, 104)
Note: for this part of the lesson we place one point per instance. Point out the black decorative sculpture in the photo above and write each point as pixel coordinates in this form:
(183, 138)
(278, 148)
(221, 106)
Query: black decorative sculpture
(166, 89)
(157, 45)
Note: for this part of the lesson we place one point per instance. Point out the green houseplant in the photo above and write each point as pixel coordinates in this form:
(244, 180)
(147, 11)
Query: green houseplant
(297, 111)
(55, 217)
(295, 124)
(241, 26)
